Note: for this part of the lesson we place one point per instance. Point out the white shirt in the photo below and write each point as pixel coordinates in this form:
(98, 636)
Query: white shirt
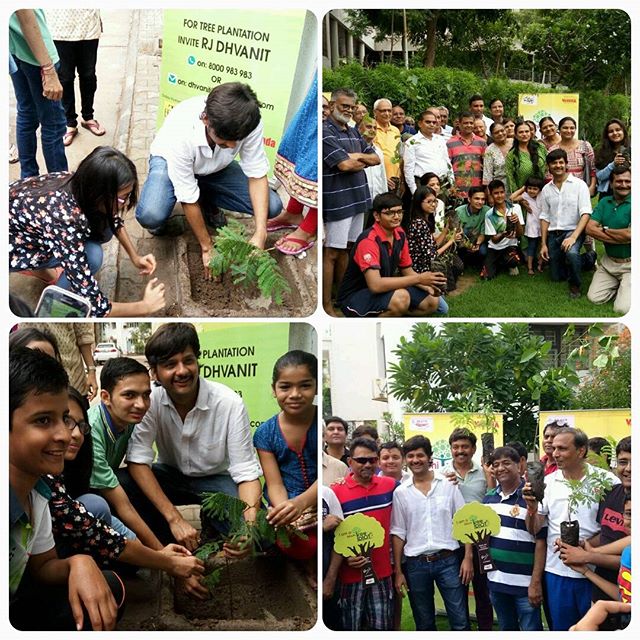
(422, 155)
(182, 142)
(215, 437)
(562, 208)
(554, 506)
(490, 230)
(330, 503)
(425, 522)
(376, 175)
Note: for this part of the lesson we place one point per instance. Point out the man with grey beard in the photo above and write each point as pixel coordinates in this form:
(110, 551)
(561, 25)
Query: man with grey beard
(345, 191)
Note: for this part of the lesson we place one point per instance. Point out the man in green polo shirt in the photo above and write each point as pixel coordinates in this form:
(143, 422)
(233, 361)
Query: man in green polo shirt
(471, 218)
(125, 392)
(611, 224)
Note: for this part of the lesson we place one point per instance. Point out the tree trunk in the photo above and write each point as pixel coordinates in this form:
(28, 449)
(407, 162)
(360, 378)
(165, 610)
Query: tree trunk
(430, 52)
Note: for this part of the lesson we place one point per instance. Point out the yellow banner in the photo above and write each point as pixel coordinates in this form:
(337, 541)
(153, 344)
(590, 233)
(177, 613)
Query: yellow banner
(594, 422)
(535, 106)
(438, 427)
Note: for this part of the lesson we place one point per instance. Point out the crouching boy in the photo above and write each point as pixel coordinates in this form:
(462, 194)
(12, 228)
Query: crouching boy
(54, 594)
(371, 287)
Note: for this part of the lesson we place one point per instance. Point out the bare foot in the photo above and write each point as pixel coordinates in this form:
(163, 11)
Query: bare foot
(330, 311)
(284, 217)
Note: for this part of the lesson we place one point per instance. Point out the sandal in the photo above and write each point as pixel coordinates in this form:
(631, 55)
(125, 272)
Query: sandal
(279, 226)
(13, 154)
(304, 245)
(94, 126)
(68, 137)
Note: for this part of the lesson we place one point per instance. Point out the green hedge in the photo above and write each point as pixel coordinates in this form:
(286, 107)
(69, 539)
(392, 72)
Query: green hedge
(418, 88)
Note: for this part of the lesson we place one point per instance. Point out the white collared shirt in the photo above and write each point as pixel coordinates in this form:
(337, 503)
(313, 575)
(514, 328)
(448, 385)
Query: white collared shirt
(425, 522)
(562, 208)
(182, 142)
(422, 155)
(215, 437)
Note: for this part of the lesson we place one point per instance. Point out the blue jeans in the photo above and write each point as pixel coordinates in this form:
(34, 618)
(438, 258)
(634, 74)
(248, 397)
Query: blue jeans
(99, 507)
(180, 490)
(443, 307)
(33, 111)
(565, 265)
(515, 613)
(228, 189)
(421, 576)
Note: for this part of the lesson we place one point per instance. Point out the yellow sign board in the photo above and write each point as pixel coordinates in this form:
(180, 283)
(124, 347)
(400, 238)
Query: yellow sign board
(535, 106)
(437, 427)
(594, 422)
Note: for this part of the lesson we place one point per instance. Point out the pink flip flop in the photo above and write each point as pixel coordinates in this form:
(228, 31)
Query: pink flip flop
(94, 126)
(280, 227)
(304, 246)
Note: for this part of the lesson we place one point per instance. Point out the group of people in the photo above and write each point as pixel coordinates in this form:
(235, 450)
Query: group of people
(533, 569)
(77, 512)
(489, 192)
(59, 221)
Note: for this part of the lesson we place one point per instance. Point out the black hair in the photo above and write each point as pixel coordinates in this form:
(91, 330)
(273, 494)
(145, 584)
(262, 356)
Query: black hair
(365, 429)
(553, 424)
(495, 184)
(474, 97)
(493, 125)
(533, 147)
(461, 433)
(27, 334)
(565, 119)
(531, 122)
(367, 443)
(33, 370)
(344, 423)
(493, 101)
(624, 445)
(77, 473)
(233, 110)
(473, 190)
(506, 452)
(416, 207)
(556, 154)
(619, 169)
(426, 177)
(385, 201)
(465, 114)
(117, 369)
(432, 112)
(295, 358)
(392, 444)
(169, 339)
(607, 151)
(580, 438)
(544, 119)
(95, 185)
(519, 447)
(417, 442)
(534, 182)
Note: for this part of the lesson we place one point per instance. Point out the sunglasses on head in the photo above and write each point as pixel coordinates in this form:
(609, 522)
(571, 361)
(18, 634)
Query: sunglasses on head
(361, 460)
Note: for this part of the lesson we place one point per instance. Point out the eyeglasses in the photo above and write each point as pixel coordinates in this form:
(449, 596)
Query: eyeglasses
(345, 107)
(392, 212)
(372, 460)
(71, 424)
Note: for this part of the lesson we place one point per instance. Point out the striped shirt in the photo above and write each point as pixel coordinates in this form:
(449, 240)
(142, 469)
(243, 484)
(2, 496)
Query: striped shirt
(374, 500)
(344, 193)
(466, 160)
(513, 547)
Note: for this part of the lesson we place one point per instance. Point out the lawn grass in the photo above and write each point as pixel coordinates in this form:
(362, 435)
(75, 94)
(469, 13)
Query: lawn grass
(525, 296)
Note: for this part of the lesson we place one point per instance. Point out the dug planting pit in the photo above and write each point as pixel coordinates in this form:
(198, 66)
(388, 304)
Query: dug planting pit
(206, 298)
(254, 594)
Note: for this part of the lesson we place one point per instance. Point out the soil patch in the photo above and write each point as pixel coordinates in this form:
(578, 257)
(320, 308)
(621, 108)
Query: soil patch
(465, 281)
(226, 299)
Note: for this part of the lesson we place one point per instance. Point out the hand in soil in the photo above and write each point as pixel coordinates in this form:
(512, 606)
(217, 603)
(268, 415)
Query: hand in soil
(147, 264)
(181, 563)
(206, 259)
(258, 239)
(154, 297)
(284, 513)
(193, 587)
(236, 551)
(185, 534)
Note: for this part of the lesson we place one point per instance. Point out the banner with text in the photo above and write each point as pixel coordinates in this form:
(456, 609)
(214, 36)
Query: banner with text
(438, 427)
(202, 49)
(614, 423)
(535, 106)
(241, 356)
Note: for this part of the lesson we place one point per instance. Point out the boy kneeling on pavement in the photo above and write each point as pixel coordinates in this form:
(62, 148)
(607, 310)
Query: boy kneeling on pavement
(371, 287)
(54, 594)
